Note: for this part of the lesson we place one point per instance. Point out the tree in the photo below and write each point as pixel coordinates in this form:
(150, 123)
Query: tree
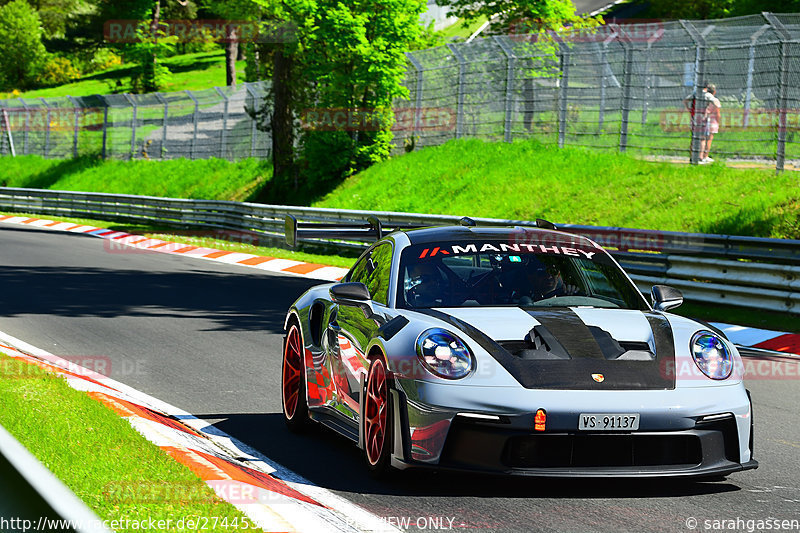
(347, 57)
(232, 11)
(21, 50)
(510, 15)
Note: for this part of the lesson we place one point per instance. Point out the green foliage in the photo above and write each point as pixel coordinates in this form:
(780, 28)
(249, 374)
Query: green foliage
(519, 16)
(714, 9)
(697, 9)
(22, 53)
(104, 59)
(57, 71)
(59, 17)
(347, 56)
(150, 74)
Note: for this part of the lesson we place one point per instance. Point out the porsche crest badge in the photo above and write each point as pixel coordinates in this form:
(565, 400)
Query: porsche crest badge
(598, 377)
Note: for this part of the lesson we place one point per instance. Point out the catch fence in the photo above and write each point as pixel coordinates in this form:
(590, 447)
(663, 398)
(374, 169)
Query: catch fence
(618, 87)
(202, 124)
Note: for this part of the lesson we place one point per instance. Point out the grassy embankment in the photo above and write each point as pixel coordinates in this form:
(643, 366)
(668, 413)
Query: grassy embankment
(98, 455)
(523, 180)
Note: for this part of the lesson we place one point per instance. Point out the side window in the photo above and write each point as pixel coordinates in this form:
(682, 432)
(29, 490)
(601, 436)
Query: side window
(373, 271)
(359, 271)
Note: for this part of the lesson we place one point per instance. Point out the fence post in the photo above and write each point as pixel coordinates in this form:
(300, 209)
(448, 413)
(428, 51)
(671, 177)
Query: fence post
(605, 68)
(46, 129)
(133, 124)
(418, 95)
(105, 126)
(510, 64)
(7, 126)
(224, 132)
(164, 122)
(648, 77)
(783, 87)
(461, 74)
(626, 93)
(751, 62)
(195, 120)
(252, 94)
(562, 92)
(699, 75)
(27, 126)
(76, 110)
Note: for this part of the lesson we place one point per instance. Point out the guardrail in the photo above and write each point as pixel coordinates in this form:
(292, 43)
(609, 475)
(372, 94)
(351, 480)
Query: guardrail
(32, 498)
(753, 272)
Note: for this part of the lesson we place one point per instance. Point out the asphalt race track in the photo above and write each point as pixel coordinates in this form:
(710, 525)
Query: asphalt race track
(206, 337)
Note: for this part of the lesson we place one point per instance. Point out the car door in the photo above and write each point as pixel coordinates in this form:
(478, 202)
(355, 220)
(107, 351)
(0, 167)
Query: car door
(355, 325)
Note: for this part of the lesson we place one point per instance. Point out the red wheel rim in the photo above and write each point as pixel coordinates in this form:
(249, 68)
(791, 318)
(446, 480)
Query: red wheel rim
(375, 412)
(292, 372)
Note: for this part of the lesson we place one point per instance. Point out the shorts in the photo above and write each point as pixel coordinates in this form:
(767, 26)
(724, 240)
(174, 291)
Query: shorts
(709, 128)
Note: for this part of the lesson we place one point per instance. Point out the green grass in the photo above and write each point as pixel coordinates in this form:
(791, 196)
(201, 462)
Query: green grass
(190, 71)
(527, 180)
(97, 454)
(214, 179)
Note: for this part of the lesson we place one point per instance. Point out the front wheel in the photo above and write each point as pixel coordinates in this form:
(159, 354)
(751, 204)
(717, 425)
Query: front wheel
(377, 420)
(293, 391)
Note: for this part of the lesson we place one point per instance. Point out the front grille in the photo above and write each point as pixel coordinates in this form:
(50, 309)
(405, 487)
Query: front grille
(565, 451)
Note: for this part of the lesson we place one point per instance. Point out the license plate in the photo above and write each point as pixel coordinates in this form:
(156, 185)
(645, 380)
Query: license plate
(608, 422)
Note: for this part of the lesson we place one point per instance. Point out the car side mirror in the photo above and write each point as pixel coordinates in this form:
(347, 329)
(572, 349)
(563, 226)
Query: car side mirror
(353, 293)
(665, 297)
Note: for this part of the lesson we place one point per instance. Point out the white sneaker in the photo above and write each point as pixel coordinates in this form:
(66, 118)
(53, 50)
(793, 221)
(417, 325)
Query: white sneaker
(702, 162)
(708, 160)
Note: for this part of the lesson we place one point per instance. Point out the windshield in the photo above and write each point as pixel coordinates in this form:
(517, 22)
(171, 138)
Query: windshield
(494, 273)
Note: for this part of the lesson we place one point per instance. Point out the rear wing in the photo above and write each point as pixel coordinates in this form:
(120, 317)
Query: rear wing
(372, 229)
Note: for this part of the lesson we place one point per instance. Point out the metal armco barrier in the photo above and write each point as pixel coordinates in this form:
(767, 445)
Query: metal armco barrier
(753, 272)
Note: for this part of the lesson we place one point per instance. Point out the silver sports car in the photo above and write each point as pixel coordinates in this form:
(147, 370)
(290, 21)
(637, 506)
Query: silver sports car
(524, 351)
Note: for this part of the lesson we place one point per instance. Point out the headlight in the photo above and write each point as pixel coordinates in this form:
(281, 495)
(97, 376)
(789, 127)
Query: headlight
(443, 354)
(711, 355)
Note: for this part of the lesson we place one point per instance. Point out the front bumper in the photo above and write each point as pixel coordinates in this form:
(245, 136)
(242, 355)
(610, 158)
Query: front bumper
(670, 442)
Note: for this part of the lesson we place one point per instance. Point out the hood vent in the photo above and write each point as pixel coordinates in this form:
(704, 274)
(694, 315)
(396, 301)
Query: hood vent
(541, 345)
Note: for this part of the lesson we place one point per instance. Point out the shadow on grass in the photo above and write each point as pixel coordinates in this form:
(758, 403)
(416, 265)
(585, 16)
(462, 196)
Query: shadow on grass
(749, 222)
(66, 167)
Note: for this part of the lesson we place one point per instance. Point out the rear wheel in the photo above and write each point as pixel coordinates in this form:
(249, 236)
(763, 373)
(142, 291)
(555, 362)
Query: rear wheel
(377, 419)
(293, 391)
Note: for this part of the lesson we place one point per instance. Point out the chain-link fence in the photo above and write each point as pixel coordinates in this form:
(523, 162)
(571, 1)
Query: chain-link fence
(192, 124)
(620, 87)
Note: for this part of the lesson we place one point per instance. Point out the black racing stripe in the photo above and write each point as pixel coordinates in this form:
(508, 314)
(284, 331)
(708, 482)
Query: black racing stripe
(570, 331)
(617, 374)
(576, 373)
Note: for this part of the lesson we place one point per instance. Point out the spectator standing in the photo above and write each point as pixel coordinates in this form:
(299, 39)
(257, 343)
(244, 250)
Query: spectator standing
(711, 120)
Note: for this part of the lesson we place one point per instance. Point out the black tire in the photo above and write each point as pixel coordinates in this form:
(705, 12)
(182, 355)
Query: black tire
(377, 420)
(293, 381)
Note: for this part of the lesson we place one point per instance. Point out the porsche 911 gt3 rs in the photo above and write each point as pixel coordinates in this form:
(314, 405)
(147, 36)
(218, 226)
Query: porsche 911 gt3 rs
(511, 350)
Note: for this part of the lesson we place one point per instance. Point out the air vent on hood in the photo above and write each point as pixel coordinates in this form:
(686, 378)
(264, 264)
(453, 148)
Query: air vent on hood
(538, 344)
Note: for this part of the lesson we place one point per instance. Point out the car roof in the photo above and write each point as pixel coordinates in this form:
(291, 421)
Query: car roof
(461, 233)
